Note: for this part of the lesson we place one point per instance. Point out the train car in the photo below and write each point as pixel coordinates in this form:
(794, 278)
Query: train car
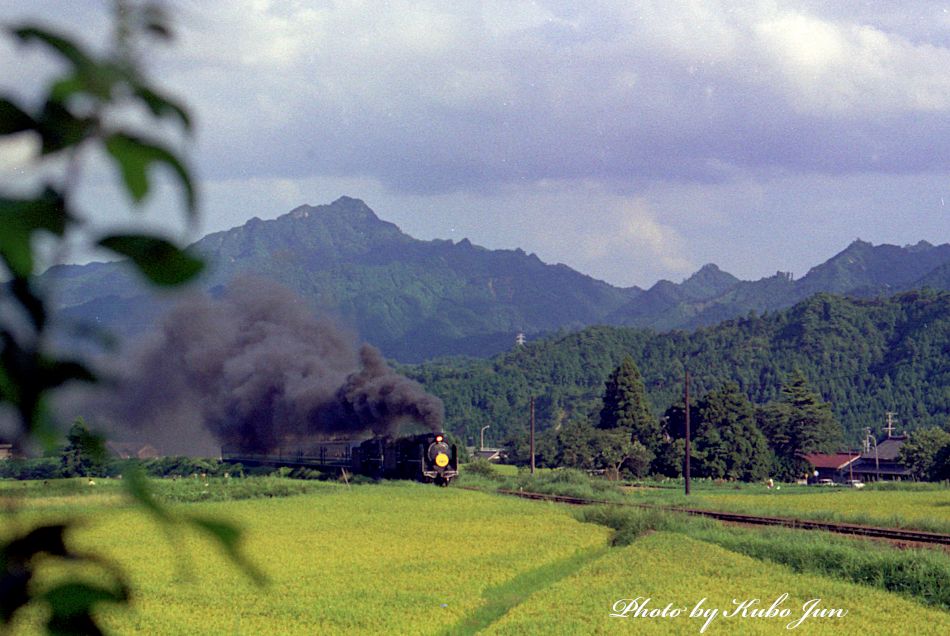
(427, 457)
(325, 455)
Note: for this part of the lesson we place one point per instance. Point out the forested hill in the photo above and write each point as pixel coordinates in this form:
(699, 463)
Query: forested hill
(865, 357)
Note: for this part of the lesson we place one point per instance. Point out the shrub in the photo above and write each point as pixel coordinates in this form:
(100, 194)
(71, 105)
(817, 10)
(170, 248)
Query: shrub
(481, 467)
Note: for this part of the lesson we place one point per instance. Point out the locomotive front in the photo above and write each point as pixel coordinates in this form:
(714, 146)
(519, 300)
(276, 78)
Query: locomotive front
(440, 463)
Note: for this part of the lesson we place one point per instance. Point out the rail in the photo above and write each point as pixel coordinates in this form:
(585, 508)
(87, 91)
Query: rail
(899, 535)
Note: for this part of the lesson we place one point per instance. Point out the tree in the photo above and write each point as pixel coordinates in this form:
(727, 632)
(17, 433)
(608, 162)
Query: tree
(925, 453)
(669, 458)
(774, 420)
(800, 423)
(616, 451)
(626, 405)
(811, 428)
(729, 444)
(84, 455)
(576, 446)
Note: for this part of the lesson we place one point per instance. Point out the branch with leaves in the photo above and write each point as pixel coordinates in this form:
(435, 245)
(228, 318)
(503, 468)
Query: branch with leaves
(77, 115)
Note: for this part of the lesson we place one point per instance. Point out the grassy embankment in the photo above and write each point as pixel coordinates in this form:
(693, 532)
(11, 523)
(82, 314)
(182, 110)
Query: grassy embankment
(907, 505)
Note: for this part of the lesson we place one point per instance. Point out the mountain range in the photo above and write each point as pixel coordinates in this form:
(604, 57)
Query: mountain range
(420, 299)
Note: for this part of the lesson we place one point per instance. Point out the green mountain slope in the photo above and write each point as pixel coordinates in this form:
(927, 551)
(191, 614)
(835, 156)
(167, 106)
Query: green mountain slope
(865, 356)
(414, 299)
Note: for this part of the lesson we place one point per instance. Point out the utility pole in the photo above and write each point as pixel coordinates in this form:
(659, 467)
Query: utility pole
(532, 435)
(686, 462)
(890, 424)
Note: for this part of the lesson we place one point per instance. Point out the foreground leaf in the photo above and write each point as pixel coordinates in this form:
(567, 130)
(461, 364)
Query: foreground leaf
(229, 538)
(135, 156)
(13, 119)
(20, 218)
(68, 49)
(159, 260)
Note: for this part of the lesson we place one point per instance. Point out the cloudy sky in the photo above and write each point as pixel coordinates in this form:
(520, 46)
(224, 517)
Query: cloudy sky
(630, 140)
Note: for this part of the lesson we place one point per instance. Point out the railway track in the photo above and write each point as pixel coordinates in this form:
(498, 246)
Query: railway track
(895, 535)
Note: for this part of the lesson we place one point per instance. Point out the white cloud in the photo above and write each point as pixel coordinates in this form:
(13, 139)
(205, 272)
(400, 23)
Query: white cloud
(630, 231)
(853, 69)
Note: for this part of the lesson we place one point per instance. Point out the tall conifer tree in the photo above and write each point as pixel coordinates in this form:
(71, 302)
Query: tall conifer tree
(626, 405)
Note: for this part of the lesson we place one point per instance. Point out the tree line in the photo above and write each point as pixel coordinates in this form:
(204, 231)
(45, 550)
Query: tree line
(730, 437)
(856, 358)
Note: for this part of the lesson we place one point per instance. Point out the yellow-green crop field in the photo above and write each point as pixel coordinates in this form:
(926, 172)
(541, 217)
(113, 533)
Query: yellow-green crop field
(928, 510)
(405, 558)
(674, 569)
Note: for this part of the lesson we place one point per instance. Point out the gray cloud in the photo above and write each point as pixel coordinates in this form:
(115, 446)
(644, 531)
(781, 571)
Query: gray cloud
(438, 97)
(626, 124)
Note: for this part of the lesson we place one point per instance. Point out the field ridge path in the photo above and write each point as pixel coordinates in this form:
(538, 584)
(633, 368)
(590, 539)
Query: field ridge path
(502, 598)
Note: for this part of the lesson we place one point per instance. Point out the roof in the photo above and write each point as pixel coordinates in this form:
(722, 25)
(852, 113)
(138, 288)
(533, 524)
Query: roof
(888, 448)
(836, 460)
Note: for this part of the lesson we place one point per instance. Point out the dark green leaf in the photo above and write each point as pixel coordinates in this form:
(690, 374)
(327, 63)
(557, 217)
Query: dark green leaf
(98, 80)
(76, 625)
(59, 43)
(13, 119)
(72, 605)
(229, 538)
(74, 597)
(58, 372)
(22, 290)
(160, 261)
(39, 540)
(134, 156)
(16, 571)
(65, 87)
(162, 106)
(155, 21)
(61, 129)
(137, 486)
(20, 219)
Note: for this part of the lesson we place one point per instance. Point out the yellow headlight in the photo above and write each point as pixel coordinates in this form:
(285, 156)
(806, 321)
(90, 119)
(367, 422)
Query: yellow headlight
(441, 460)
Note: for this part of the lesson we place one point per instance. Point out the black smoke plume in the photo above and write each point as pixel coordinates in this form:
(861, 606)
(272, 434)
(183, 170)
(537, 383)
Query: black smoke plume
(257, 369)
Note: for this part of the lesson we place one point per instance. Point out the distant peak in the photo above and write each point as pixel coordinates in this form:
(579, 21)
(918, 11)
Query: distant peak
(708, 281)
(858, 244)
(708, 270)
(352, 206)
(349, 201)
(920, 246)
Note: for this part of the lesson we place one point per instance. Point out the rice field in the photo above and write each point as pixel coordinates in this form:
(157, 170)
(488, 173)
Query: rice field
(673, 569)
(408, 558)
(369, 559)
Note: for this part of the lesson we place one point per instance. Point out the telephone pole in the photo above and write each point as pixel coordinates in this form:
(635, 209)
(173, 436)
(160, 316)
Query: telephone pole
(686, 461)
(532, 435)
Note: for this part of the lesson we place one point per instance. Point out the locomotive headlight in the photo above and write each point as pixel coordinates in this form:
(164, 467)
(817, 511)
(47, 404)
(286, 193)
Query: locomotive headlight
(441, 460)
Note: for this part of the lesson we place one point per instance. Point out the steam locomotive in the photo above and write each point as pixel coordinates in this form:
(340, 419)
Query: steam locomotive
(426, 458)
